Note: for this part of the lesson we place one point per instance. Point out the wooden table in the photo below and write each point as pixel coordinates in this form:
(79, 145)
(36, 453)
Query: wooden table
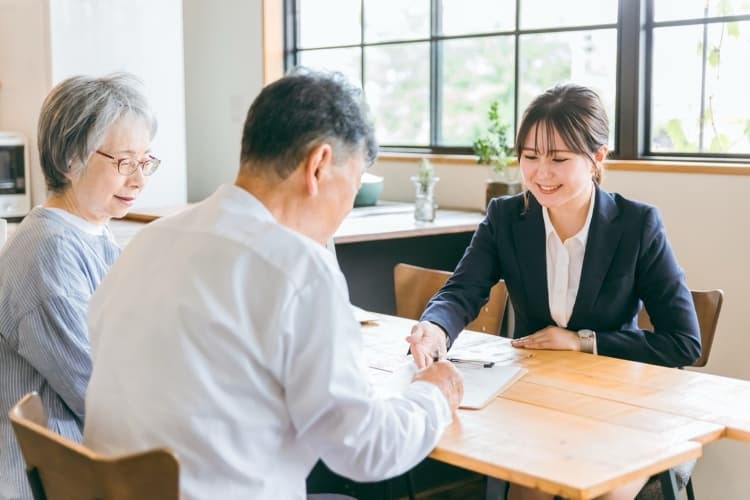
(376, 225)
(579, 425)
(390, 221)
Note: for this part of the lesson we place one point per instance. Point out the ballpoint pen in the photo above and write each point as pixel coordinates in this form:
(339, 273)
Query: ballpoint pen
(477, 362)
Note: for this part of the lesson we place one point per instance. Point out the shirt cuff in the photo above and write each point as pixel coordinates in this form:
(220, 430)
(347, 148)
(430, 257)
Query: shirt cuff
(432, 400)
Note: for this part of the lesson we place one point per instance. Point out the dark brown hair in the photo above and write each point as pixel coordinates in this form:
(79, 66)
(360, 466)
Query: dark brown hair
(573, 111)
(299, 111)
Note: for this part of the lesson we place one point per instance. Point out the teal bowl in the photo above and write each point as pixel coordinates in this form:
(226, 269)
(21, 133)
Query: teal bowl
(369, 192)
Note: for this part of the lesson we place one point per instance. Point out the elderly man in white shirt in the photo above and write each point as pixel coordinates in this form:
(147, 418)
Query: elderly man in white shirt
(225, 333)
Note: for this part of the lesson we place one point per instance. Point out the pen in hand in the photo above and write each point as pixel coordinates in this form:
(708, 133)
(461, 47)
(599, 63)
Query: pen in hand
(477, 362)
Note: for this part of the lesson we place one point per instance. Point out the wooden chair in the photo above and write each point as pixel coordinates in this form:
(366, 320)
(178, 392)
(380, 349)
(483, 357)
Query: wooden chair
(59, 469)
(707, 308)
(414, 286)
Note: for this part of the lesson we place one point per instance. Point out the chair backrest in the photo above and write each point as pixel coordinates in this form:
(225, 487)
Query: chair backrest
(59, 469)
(414, 286)
(707, 308)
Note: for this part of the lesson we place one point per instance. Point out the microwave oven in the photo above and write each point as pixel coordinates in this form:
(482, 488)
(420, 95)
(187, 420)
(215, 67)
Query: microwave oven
(15, 196)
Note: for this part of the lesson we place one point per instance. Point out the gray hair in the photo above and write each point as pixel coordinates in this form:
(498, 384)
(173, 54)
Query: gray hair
(301, 110)
(76, 116)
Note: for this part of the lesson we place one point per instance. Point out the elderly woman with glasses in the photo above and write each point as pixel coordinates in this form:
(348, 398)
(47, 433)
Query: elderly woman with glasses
(94, 148)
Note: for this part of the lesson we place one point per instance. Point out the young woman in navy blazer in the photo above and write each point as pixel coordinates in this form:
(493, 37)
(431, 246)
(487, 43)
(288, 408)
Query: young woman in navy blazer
(578, 261)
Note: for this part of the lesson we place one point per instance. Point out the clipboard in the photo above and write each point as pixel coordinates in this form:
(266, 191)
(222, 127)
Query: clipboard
(482, 385)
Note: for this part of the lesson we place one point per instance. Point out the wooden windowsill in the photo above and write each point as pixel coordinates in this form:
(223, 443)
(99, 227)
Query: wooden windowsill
(624, 165)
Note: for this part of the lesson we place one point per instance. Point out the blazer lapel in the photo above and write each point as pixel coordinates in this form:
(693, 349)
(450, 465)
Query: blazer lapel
(604, 237)
(531, 254)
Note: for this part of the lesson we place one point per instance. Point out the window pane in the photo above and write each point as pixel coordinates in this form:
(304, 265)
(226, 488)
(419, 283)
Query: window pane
(347, 61)
(316, 28)
(676, 96)
(475, 72)
(556, 14)
(670, 10)
(478, 16)
(582, 57)
(397, 87)
(396, 20)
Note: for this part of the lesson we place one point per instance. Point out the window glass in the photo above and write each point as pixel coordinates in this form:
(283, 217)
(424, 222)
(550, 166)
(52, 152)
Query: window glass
(460, 17)
(582, 57)
(671, 10)
(475, 72)
(347, 61)
(396, 20)
(678, 122)
(317, 27)
(417, 65)
(397, 84)
(536, 14)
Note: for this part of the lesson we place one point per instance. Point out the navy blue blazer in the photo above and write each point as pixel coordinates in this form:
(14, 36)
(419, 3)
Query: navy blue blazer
(627, 260)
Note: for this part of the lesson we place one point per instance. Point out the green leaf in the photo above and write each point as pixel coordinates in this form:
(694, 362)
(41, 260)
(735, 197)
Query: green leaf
(724, 8)
(713, 57)
(677, 135)
(720, 143)
(733, 29)
(494, 146)
(747, 129)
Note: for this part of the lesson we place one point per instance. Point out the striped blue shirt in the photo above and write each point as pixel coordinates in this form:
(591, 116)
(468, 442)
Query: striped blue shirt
(48, 271)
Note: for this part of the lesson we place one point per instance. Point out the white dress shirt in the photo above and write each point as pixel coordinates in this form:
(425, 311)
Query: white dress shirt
(564, 265)
(229, 339)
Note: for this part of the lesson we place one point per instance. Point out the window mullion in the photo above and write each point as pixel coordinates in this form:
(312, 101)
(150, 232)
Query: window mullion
(631, 97)
(291, 29)
(436, 61)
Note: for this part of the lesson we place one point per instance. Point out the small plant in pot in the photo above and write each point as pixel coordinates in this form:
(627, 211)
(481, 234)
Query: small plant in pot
(424, 182)
(495, 148)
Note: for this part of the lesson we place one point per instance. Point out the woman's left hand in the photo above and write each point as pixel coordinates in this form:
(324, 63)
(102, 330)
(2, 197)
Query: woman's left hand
(551, 337)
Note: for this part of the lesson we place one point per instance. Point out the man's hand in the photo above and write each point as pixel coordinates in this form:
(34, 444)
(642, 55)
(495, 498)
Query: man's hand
(426, 342)
(551, 337)
(449, 380)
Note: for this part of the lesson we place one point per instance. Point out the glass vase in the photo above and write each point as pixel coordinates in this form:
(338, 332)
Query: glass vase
(424, 202)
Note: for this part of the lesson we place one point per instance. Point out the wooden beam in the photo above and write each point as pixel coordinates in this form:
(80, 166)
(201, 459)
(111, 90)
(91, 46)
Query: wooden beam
(272, 14)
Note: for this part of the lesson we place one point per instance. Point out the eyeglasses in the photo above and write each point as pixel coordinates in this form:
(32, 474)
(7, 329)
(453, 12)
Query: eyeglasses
(128, 166)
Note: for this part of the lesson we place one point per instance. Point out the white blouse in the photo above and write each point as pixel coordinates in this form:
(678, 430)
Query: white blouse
(564, 264)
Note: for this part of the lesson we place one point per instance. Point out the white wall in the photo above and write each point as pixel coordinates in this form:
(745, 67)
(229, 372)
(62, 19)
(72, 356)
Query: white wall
(45, 41)
(24, 75)
(143, 37)
(705, 218)
(223, 75)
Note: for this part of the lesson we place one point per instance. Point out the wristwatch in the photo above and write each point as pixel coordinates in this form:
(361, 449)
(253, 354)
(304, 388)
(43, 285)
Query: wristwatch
(588, 340)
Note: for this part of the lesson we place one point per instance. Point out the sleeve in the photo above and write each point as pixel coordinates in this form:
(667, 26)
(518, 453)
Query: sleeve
(458, 302)
(327, 393)
(660, 284)
(52, 334)
(53, 339)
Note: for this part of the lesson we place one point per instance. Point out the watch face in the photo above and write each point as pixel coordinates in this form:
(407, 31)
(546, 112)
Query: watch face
(585, 334)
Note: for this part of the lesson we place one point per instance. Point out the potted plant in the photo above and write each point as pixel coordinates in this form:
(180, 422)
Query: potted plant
(424, 182)
(495, 148)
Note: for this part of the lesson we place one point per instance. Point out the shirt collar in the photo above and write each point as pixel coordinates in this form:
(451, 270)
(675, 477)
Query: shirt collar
(78, 222)
(238, 198)
(581, 235)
